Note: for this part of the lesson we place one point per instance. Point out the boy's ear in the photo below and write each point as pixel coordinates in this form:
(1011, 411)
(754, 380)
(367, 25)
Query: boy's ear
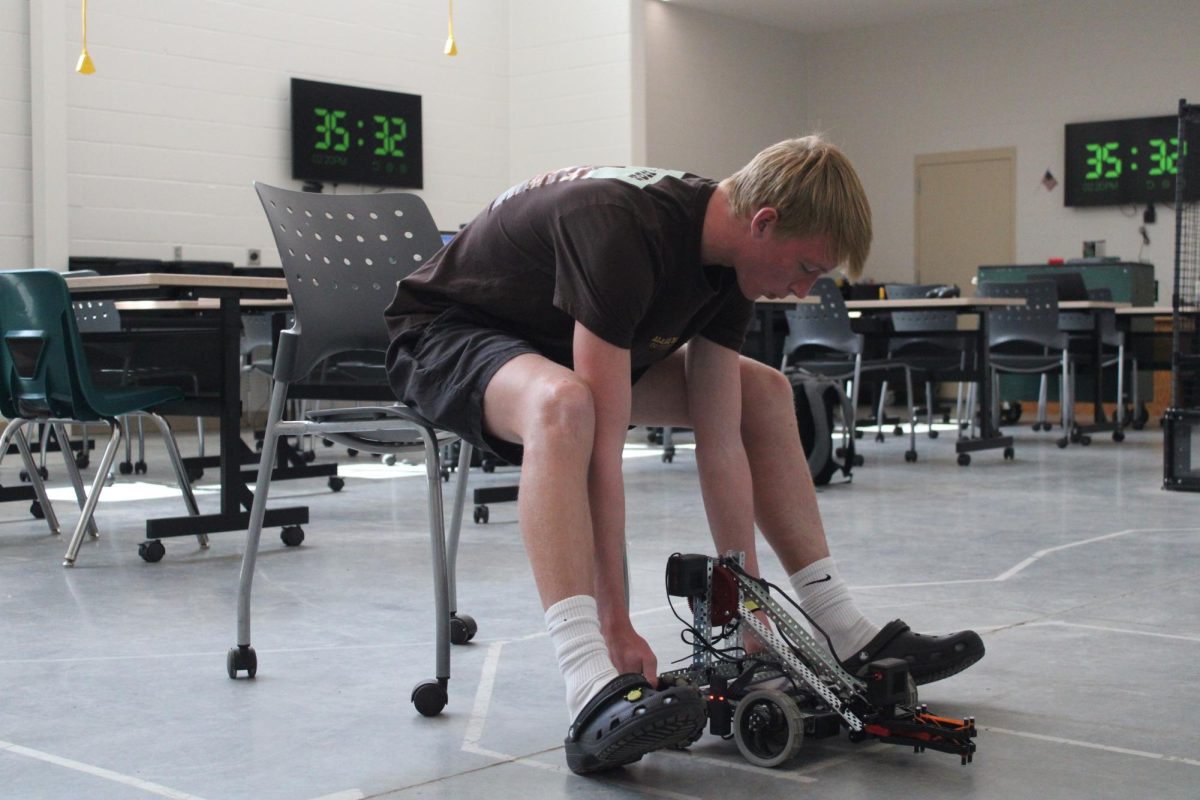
(762, 220)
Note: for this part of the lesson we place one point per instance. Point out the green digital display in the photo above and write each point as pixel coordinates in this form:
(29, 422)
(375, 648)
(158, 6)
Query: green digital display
(1119, 162)
(350, 134)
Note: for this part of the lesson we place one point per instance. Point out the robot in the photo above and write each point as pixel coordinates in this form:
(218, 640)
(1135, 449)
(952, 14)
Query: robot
(770, 701)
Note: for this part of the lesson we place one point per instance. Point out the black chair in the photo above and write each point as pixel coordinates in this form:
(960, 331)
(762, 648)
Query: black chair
(821, 341)
(934, 348)
(343, 256)
(1025, 339)
(1081, 327)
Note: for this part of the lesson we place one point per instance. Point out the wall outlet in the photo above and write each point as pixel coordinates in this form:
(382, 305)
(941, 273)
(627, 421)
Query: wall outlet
(179, 252)
(253, 257)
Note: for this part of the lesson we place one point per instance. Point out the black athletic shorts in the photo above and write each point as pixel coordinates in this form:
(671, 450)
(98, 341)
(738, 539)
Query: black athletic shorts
(442, 368)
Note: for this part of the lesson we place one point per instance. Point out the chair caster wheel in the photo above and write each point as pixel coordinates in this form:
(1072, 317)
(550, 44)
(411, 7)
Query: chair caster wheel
(24, 476)
(964, 459)
(858, 460)
(1009, 454)
(1062, 442)
(390, 460)
(125, 468)
(910, 455)
(292, 535)
(879, 436)
(327, 443)
(668, 458)
(35, 508)
(309, 456)
(336, 482)
(350, 451)
(897, 431)
(462, 628)
(139, 468)
(83, 462)
(1085, 440)
(241, 658)
(933, 434)
(429, 697)
(1118, 436)
(152, 551)
(481, 515)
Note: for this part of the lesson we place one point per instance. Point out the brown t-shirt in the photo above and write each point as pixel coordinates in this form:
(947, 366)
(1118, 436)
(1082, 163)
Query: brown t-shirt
(616, 248)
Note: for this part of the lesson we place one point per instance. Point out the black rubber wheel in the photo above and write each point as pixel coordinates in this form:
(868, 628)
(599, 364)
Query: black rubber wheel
(910, 455)
(1062, 442)
(429, 697)
(24, 476)
(933, 434)
(462, 628)
(488, 466)
(241, 658)
(897, 431)
(964, 459)
(309, 456)
(1009, 454)
(1085, 440)
(858, 460)
(336, 482)
(292, 535)
(768, 728)
(152, 550)
(327, 443)
(139, 468)
(879, 436)
(35, 508)
(125, 468)
(667, 458)
(83, 462)
(481, 515)
(350, 451)
(390, 461)
(1118, 436)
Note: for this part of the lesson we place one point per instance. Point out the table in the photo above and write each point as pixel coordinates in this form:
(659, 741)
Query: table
(989, 436)
(230, 293)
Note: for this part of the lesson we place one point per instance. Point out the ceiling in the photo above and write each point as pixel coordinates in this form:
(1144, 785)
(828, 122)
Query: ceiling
(819, 16)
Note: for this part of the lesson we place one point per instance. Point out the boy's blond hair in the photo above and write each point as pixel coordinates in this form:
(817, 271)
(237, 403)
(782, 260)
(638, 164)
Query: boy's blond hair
(816, 192)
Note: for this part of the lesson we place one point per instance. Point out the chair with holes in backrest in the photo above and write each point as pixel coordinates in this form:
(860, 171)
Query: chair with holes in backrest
(343, 256)
(1025, 339)
(931, 345)
(820, 341)
(46, 375)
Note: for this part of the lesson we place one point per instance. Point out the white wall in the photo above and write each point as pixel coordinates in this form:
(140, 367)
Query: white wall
(718, 89)
(189, 105)
(572, 84)
(1006, 78)
(16, 244)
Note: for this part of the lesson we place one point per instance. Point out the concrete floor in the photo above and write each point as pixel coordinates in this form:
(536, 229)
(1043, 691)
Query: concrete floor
(1075, 565)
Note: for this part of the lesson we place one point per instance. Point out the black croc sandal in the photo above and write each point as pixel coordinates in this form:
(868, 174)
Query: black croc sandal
(930, 658)
(627, 719)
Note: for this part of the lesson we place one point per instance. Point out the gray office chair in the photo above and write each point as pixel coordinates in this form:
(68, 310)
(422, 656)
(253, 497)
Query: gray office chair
(343, 256)
(1026, 339)
(820, 341)
(933, 348)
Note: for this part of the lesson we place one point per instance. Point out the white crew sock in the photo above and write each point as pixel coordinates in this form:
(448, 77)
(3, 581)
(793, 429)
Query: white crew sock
(574, 627)
(824, 597)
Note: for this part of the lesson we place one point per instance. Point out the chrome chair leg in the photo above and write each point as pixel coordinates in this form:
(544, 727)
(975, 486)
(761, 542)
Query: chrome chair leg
(437, 531)
(456, 515)
(185, 486)
(89, 507)
(13, 432)
(60, 432)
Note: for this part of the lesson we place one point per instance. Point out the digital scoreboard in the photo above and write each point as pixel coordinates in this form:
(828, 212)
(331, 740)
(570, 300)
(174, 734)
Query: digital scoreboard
(350, 134)
(1122, 162)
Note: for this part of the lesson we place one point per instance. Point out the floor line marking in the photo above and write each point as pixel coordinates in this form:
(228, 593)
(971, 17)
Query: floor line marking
(740, 765)
(98, 772)
(346, 794)
(483, 695)
(1020, 566)
(1191, 762)
(1108, 629)
(529, 762)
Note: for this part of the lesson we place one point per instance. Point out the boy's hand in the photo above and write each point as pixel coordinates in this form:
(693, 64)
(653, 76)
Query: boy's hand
(630, 652)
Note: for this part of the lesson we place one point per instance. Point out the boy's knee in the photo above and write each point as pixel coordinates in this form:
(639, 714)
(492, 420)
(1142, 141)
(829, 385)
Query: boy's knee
(764, 386)
(564, 414)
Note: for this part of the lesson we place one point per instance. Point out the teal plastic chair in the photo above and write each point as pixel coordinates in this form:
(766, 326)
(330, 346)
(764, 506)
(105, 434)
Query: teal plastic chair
(46, 380)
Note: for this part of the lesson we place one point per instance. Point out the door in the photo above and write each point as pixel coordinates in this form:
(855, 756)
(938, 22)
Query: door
(965, 214)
